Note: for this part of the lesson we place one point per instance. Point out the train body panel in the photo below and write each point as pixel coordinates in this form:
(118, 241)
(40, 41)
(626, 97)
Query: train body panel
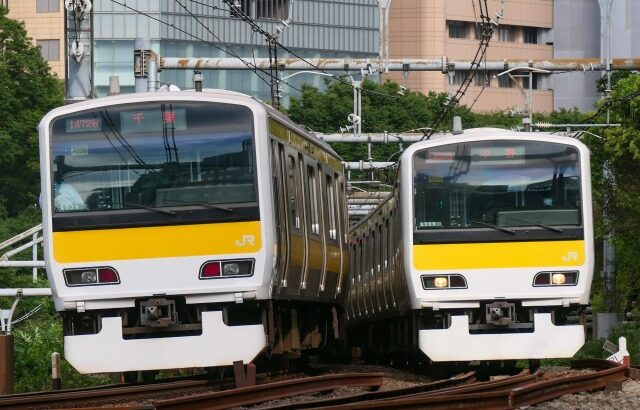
(165, 227)
(495, 240)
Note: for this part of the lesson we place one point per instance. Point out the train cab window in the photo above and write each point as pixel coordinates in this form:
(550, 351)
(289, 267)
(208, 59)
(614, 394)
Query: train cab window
(331, 203)
(480, 184)
(150, 155)
(312, 187)
(291, 191)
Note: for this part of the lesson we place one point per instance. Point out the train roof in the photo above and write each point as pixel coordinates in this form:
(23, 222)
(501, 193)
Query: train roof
(232, 95)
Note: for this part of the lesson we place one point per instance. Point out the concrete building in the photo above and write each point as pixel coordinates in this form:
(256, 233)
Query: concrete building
(188, 28)
(530, 29)
(435, 28)
(577, 34)
(44, 22)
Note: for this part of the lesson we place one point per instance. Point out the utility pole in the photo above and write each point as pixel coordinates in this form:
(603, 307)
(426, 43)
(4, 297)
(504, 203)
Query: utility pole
(608, 245)
(383, 7)
(145, 66)
(6, 338)
(79, 50)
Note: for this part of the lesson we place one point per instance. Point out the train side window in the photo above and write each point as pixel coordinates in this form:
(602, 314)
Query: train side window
(342, 206)
(354, 267)
(331, 201)
(359, 267)
(379, 247)
(370, 250)
(291, 191)
(385, 244)
(312, 186)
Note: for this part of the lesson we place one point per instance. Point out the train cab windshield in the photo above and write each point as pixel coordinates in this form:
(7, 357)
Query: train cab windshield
(153, 156)
(497, 186)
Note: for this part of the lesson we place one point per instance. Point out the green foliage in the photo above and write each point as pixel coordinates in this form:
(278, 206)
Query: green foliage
(616, 76)
(28, 91)
(631, 332)
(34, 342)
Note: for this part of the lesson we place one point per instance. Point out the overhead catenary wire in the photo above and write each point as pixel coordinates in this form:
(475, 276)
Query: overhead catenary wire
(271, 38)
(486, 33)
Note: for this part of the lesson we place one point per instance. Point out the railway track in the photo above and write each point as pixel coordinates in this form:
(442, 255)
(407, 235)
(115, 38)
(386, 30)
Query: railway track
(197, 393)
(461, 392)
(510, 393)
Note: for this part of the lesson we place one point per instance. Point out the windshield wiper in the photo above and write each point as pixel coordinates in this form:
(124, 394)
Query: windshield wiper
(496, 227)
(150, 208)
(205, 204)
(540, 224)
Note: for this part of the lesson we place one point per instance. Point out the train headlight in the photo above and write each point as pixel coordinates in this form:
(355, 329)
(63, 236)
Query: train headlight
(231, 269)
(89, 276)
(103, 275)
(222, 269)
(450, 281)
(556, 278)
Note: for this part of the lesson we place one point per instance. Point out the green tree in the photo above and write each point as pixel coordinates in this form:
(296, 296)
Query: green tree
(383, 109)
(28, 91)
(622, 150)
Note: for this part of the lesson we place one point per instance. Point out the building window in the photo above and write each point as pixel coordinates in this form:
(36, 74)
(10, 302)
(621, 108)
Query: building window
(504, 81)
(263, 9)
(458, 77)
(458, 29)
(47, 6)
(530, 35)
(50, 49)
(482, 78)
(506, 33)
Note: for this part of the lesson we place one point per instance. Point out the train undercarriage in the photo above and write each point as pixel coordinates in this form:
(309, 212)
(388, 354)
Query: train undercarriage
(424, 339)
(285, 329)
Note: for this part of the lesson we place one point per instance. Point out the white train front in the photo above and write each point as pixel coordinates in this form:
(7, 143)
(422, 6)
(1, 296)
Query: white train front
(483, 251)
(189, 229)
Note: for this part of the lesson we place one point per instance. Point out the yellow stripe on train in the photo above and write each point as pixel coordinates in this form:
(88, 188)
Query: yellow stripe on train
(499, 255)
(157, 242)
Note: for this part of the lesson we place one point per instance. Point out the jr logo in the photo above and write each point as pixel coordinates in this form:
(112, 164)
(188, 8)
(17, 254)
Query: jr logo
(570, 256)
(246, 240)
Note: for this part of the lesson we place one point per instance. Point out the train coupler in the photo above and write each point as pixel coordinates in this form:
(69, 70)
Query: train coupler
(158, 312)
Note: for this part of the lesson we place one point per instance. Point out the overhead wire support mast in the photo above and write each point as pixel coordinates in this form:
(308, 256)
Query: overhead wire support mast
(272, 42)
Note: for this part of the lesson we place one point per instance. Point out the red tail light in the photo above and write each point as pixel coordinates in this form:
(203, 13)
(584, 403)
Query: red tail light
(107, 275)
(210, 270)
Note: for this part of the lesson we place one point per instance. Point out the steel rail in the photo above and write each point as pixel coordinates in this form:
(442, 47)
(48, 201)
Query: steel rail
(437, 385)
(543, 391)
(269, 391)
(109, 392)
(490, 394)
(497, 395)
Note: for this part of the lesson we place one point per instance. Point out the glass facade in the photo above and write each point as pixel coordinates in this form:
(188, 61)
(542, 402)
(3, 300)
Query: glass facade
(328, 29)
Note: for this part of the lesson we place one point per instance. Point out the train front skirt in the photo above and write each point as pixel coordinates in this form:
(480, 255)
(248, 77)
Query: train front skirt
(457, 344)
(219, 344)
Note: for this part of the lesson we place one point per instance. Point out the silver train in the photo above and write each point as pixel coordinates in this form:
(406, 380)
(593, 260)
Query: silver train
(480, 253)
(190, 229)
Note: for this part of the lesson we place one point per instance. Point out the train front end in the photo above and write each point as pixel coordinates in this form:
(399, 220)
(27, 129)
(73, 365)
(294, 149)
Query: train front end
(154, 238)
(500, 256)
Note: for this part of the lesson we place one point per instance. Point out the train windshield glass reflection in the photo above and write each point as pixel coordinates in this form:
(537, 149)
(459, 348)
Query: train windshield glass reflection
(503, 183)
(153, 155)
